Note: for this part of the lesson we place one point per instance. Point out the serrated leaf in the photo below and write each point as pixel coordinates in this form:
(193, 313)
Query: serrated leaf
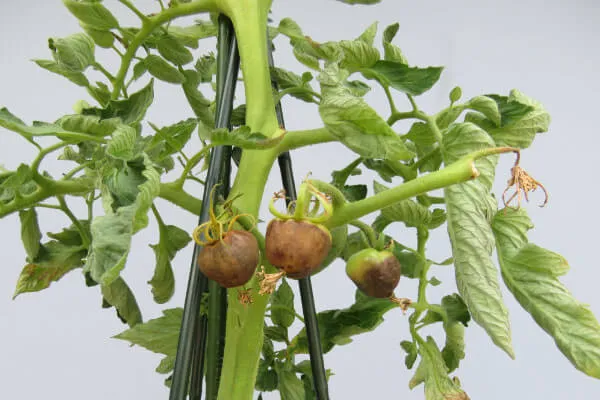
(521, 119)
(133, 109)
(74, 52)
(454, 349)
(266, 379)
(173, 50)
(391, 51)
(336, 327)
(354, 192)
(54, 260)
(92, 13)
(159, 335)
(530, 273)
(290, 386)
(242, 137)
(358, 126)
(18, 183)
(30, 233)
(76, 77)
(409, 80)
(282, 312)
(171, 240)
(432, 370)
(206, 66)
(111, 241)
(487, 106)
(470, 208)
(411, 353)
(190, 34)
(456, 309)
(411, 213)
(159, 68)
(276, 333)
(173, 138)
(288, 79)
(102, 38)
(122, 144)
(199, 104)
(90, 124)
(357, 54)
(368, 36)
(120, 296)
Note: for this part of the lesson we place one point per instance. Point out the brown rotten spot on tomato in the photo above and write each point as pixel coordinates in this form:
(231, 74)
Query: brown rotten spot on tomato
(229, 256)
(296, 242)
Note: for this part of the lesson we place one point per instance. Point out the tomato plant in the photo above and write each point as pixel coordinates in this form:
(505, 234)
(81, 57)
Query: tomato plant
(119, 164)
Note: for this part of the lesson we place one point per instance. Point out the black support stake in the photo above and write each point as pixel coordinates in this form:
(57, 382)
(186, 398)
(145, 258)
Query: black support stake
(192, 336)
(306, 293)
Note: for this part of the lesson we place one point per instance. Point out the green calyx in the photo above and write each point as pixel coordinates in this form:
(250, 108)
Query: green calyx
(311, 205)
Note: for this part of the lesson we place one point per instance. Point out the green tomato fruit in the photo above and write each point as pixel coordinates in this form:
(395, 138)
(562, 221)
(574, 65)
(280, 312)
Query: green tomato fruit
(296, 247)
(376, 273)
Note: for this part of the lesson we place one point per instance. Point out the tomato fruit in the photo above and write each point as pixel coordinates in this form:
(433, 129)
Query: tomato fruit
(296, 247)
(376, 273)
(232, 260)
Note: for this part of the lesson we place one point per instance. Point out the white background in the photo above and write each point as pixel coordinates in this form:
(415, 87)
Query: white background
(56, 344)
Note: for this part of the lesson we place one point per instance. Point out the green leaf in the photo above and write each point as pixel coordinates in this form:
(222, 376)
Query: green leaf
(206, 66)
(288, 79)
(411, 213)
(92, 13)
(133, 109)
(74, 52)
(111, 241)
(411, 353)
(276, 333)
(454, 349)
(456, 309)
(531, 274)
(89, 124)
(120, 296)
(101, 38)
(391, 51)
(358, 126)
(76, 77)
(357, 88)
(409, 80)
(171, 240)
(159, 335)
(368, 36)
(173, 50)
(487, 106)
(189, 35)
(161, 69)
(336, 327)
(357, 54)
(432, 370)
(53, 260)
(30, 233)
(282, 302)
(18, 183)
(173, 138)
(122, 144)
(354, 192)
(266, 379)
(199, 104)
(470, 207)
(521, 119)
(242, 137)
(290, 386)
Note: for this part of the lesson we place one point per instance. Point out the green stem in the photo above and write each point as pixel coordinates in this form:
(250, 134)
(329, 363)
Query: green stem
(460, 171)
(108, 75)
(134, 9)
(149, 25)
(368, 231)
(388, 94)
(434, 128)
(173, 193)
(341, 176)
(85, 239)
(296, 139)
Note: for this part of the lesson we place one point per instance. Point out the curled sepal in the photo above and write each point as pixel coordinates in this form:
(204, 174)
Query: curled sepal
(311, 205)
(268, 282)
